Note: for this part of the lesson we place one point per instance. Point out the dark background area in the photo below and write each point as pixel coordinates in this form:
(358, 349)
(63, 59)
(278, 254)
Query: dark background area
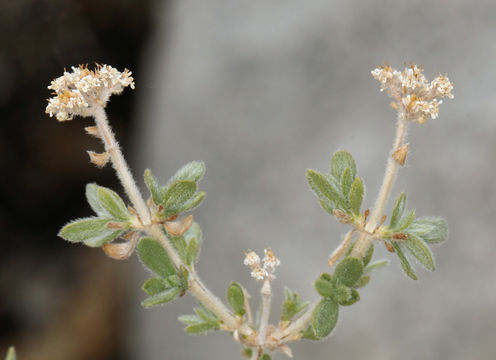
(47, 309)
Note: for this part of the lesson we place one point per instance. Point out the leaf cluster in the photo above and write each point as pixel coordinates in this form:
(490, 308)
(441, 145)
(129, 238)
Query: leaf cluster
(416, 236)
(111, 221)
(340, 189)
(201, 322)
(180, 193)
(169, 282)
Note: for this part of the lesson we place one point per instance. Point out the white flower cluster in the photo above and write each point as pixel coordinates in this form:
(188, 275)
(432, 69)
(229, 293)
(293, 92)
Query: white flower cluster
(416, 99)
(259, 272)
(79, 91)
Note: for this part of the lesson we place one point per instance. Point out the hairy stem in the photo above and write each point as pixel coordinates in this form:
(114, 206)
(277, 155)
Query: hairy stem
(197, 288)
(340, 250)
(120, 165)
(264, 321)
(392, 168)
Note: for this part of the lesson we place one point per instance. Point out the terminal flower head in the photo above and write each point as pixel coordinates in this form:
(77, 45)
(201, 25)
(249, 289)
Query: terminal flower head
(414, 97)
(80, 91)
(258, 271)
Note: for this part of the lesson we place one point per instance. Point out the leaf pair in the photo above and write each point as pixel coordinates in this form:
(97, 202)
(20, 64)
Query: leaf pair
(339, 189)
(203, 321)
(180, 193)
(112, 220)
(170, 283)
(419, 234)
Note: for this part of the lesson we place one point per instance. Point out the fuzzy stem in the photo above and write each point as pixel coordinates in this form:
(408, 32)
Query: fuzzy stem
(392, 168)
(120, 165)
(197, 288)
(341, 248)
(264, 321)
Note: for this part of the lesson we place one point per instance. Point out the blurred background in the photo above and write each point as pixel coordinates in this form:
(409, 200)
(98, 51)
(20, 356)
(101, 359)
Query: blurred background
(261, 91)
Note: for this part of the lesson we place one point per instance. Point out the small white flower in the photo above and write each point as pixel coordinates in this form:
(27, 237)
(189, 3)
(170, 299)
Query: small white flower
(80, 91)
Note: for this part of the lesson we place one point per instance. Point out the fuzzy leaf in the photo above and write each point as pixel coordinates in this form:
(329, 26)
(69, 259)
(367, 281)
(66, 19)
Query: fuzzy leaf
(309, 334)
(162, 297)
(92, 197)
(177, 195)
(355, 296)
(325, 317)
(11, 354)
(431, 230)
(179, 244)
(113, 203)
(406, 221)
(153, 286)
(92, 231)
(346, 181)
(376, 265)
(341, 293)
(340, 161)
(420, 250)
(153, 255)
(325, 190)
(405, 264)
(236, 298)
(364, 280)
(292, 305)
(264, 357)
(349, 270)
(398, 210)
(323, 285)
(193, 237)
(203, 312)
(368, 255)
(154, 187)
(356, 196)
(202, 327)
(193, 202)
(192, 171)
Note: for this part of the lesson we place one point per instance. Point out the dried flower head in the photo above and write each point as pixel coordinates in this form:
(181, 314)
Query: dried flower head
(80, 91)
(415, 98)
(258, 271)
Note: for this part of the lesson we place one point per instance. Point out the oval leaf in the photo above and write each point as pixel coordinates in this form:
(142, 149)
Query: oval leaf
(177, 194)
(325, 317)
(431, 230)
(340, 161)
(356, 196)
(349, 271)
(92, 197)
(153, 186)
(161, 298)
(325, 191)
(323, 285)
(236, 298)
(153, 286)
(153, 255)
(113, 203)
(419, 249)
(192, 171)
(346, 181)
(92, 231)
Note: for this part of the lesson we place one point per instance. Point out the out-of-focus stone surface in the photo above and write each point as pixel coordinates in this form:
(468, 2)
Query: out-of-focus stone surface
(263, 90)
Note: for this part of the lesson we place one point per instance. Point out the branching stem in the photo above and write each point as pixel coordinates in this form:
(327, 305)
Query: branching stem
(197, 288)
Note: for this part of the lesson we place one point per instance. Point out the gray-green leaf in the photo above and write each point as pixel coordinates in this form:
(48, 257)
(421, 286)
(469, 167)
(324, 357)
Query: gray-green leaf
(340, 161)
(325, 317)
(292, 305)
(398, 210)
(92, 231)
(323, 285)
(154, 187)
(431, 230)
(162, 298)
(92, 197)
(153, 255)
(376, 265)
(405, 264)
(153, 286)
(346, 181)
(325, 191)
(113, 203)
(420, 250)
(203, 327)
(349, 270)
(192, 171)
(177, 195)
(236, 298)
(356, 196)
